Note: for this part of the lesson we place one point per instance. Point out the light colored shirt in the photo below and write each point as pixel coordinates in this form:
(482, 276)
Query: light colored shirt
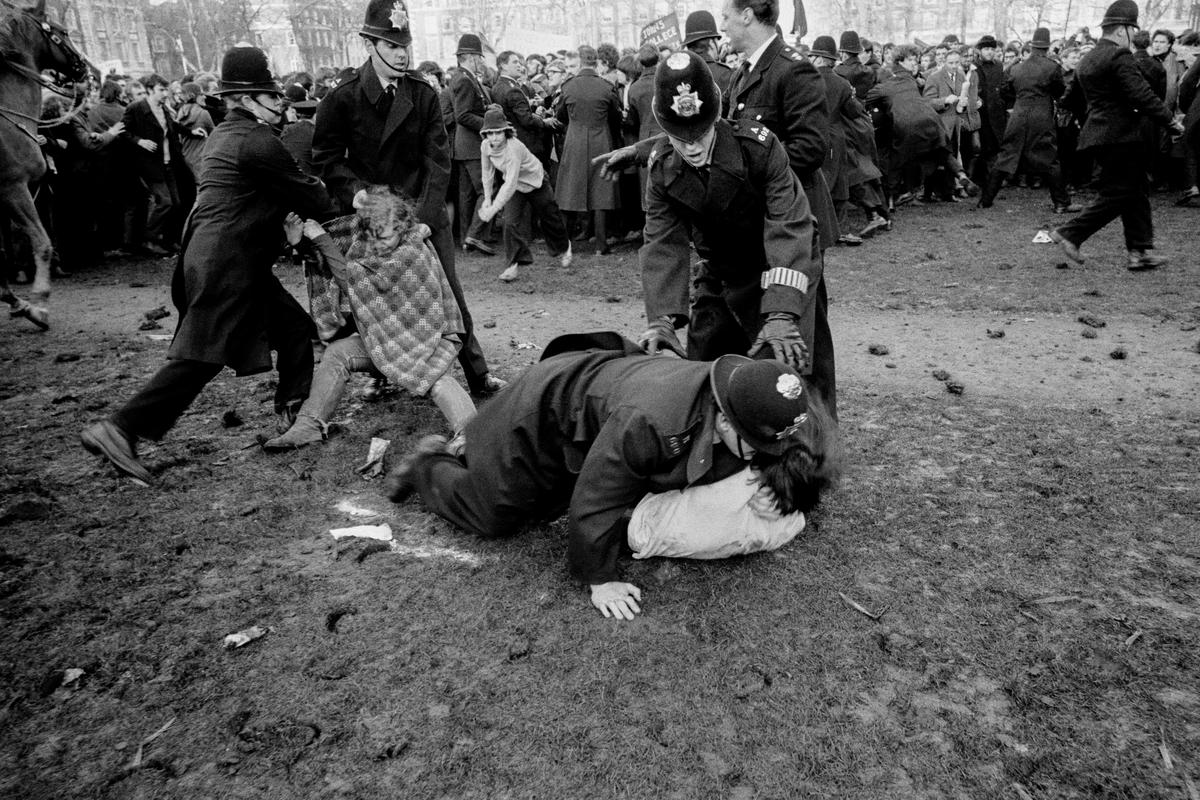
(521, 170)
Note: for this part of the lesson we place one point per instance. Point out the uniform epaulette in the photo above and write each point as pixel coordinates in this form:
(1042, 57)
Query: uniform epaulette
(751, 130)
(792, 53)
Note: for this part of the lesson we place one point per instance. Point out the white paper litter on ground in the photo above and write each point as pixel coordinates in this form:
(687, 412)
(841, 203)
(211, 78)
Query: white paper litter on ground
(381, 532)
(348, 507)
(433, 551)
(1042, 237)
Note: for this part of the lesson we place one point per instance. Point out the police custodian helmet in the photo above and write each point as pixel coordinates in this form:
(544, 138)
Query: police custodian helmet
(686, 100)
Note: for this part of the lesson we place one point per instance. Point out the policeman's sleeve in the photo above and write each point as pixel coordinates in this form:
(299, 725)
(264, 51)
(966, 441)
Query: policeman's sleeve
(665, 257)
(789, 237)
(1137, 92)
(614, 478)
(436, 158)
(278, 175)
(331, 142)
(520, 114)
(463, 92)
(806, 119)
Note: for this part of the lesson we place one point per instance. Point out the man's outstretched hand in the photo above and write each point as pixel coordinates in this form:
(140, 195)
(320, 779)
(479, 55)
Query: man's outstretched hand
(617, 600)
(615, 162)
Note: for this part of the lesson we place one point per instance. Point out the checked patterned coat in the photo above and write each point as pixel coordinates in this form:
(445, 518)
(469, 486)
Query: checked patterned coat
(399, 302)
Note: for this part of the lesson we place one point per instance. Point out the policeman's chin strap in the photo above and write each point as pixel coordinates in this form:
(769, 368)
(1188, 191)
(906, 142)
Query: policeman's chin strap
(375, 47)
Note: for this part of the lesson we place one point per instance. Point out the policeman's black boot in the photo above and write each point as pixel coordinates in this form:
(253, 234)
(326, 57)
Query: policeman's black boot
(995, 181)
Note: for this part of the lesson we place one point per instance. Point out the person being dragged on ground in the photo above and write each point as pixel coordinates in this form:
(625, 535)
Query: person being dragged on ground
(524, 191)
(598, 427)
(382, 304)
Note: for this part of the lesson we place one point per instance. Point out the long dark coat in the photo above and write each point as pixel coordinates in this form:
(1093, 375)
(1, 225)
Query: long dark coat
(785, 93)
(861, 77)
(838, 94)
(916, 131)
(993, 114)
(850, 121)
(640, 121)
(591, 110)
(223, 286)
(1031, 136)
(590, 430)
(140, 123)
(1118, 97)
(358, 143)
(749, 217)
(470, 99)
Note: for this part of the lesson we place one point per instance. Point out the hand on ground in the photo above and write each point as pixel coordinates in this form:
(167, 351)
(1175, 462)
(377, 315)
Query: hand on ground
(616, 599)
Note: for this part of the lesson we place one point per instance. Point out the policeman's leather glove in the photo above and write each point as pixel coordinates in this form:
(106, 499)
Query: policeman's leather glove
(781, 331)
(616, 161)
(660, 334)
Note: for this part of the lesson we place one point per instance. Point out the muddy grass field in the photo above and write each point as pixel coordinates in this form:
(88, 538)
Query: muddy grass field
(1031, 548)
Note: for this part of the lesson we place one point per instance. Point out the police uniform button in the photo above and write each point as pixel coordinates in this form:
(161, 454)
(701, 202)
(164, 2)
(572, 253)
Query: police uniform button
(741, 106)
(758, 117)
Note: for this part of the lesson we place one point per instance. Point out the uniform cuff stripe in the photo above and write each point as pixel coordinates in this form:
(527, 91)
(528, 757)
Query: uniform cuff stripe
(785, 277)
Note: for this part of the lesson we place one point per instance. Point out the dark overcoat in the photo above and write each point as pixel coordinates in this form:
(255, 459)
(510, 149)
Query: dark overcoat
(785, 93)
(530, 128)
(916, 131)
(750, 217)
(470, 99)
(1031, 135)
(359, 141)
(838, 95)
(993, 114)
(722, 75)
(223, 286)
(1118, 97)
(591, 110)
(640, 121)
(861, 77)
(297, 139)
(589, 432)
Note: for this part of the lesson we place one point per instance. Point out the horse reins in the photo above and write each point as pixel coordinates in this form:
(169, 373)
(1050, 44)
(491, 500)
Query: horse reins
(36, 77)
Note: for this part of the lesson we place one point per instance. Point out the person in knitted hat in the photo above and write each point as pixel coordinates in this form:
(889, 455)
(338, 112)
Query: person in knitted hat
(232, 310)
(525, 189)
(1118, 100)
(596, 426)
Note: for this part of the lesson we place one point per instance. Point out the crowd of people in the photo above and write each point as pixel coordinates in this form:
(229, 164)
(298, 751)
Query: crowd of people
(733, 163)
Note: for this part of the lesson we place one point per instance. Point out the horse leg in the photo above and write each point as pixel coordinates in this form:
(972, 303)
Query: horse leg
(25, 220)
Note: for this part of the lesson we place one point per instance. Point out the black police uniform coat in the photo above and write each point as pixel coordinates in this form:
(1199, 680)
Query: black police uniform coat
(785, 93)
(590, 429)
(860, 76)
(1118, 97)
(1031, 134)
(722, 75)
(747, 216)
(223, 285)
(357, 142)
(471, 99)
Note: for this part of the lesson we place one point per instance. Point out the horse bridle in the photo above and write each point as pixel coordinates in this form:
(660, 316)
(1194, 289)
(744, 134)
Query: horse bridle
(56, 39)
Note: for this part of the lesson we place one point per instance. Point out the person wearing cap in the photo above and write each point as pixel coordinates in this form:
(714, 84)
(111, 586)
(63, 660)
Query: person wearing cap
(700, 35)
(852, 68)
(382, 124)
(524, 192)
(595, 426)
(778, 87)
(993, 112)
(725, 188)
(232, 309)
(1118, 99)
(850, 170)
(1029, 143)
(297, 135)
(471, 98)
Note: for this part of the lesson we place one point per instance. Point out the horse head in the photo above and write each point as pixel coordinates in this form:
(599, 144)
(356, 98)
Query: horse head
(45, 41)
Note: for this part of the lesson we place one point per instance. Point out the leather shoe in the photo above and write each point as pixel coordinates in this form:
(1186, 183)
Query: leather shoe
(488, 386)
(106, 439)
(876, 224)
(850, 240)
(1068, 247)
(154, 250)
(401, 483)
(1141, 261)
(1068, 208)
(482, 247)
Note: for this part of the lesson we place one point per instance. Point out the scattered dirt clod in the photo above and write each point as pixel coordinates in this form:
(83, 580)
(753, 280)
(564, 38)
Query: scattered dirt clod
(1119, 354)
(878, 350)
(231, 419)
(489, 323)
(954, 387)
(1092, 321)
(941, 375)
(1088, 333)
(149, 325)
(66, 358)
(995, 334)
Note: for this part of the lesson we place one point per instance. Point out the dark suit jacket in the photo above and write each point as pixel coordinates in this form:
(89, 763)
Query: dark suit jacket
(1118, 97)
(531, 130)
(1154, 71)
(785, 93)
(297, 139)
(140, 123)
(470, 101)
(357, 143)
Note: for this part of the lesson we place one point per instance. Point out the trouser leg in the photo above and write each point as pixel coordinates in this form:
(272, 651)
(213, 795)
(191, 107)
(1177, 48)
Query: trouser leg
(824, 372)
(1115, 192)
(470, 197)
(290, 332)
(601, 224)
(516, 230)
(453, 401)
(153, 411)
(471, 355)
(463, 497)
(160, 210)
(545, 209)
(329, 379)
(1058, 185)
